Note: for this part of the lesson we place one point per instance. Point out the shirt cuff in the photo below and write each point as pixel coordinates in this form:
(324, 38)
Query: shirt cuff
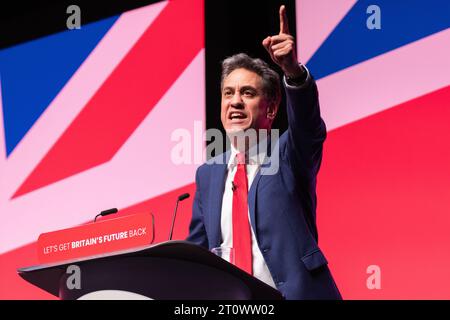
(303, 85)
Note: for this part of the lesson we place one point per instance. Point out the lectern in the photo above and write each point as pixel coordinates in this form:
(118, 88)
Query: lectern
(174, 270)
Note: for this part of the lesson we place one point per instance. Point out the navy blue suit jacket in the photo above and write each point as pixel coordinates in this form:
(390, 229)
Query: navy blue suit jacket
(282, 206)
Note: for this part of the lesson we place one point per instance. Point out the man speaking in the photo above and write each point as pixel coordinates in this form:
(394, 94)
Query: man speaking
(268, 219)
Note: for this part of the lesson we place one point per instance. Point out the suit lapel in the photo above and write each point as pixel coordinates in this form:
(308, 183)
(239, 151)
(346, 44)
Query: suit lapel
(252, 201)
(217, 185)
(254, 188)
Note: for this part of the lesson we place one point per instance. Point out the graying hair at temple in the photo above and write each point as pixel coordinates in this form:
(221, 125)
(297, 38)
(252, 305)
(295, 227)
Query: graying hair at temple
(270, 78)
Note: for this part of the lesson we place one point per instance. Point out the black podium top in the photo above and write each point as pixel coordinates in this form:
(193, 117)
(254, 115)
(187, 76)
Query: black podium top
(167, 270)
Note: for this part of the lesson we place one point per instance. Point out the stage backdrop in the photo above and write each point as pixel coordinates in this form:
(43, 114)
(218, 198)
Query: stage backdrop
(87, 117)
(384, 186)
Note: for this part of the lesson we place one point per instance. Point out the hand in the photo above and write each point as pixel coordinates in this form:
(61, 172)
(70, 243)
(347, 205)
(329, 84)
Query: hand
(281, 48)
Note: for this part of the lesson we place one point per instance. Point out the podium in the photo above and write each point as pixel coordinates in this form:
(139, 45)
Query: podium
(172, 270)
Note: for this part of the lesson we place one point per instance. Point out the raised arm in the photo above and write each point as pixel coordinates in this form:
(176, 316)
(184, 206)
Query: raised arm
(307, 130)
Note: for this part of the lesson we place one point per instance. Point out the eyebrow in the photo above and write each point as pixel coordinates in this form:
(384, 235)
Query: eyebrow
(249, 88)
(242, 88)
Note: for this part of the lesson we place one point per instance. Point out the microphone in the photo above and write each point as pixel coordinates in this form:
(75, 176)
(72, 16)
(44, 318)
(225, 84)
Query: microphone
(105, 213)
(180, 198)
(183, 196)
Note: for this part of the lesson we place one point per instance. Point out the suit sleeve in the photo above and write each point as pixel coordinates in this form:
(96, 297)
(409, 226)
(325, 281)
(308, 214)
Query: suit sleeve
(197, 231)
(307, 131)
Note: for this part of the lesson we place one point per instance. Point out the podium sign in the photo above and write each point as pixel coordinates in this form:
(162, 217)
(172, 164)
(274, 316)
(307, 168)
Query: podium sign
(96, 238)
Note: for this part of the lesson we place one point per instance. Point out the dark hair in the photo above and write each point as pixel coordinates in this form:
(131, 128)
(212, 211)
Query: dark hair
(270, 78)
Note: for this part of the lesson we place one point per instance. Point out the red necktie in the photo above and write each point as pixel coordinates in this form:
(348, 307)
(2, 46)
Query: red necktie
(242, 239)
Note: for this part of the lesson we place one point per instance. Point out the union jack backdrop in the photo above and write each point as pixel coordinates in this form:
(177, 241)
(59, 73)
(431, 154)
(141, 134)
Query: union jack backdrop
(86, 118)
(87, 121)
(384, 185)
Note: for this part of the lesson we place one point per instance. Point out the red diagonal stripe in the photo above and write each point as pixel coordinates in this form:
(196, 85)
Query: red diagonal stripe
(384, 199)
(127, 96)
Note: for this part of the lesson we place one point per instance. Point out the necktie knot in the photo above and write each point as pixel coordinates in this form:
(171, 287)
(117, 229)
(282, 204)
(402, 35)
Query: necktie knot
(240, 158)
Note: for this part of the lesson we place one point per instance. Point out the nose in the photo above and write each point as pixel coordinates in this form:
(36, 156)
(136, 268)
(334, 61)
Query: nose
(237, 101)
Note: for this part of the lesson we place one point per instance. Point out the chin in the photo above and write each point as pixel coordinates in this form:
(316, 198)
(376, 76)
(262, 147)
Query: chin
(236, 129)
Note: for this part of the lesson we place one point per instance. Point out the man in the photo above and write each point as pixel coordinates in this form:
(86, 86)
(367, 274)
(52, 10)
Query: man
(269, 219)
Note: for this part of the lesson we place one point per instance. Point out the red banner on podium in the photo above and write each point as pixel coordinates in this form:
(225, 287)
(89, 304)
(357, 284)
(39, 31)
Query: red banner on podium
(96, 238)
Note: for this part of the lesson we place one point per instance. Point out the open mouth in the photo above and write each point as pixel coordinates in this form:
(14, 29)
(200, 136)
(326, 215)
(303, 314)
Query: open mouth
(237, 115)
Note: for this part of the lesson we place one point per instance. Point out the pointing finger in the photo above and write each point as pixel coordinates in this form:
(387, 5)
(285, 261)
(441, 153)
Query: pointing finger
(284, 26)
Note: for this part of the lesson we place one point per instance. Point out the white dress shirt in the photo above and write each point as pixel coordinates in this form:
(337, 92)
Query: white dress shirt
(260, 269)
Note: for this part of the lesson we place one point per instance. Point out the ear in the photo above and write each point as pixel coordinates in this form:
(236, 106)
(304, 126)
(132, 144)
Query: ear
(272, 110)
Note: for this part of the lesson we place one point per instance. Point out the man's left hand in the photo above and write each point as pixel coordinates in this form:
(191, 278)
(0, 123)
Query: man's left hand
(281, 48)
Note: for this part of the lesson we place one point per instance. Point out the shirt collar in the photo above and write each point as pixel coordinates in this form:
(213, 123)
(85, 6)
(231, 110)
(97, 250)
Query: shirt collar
(255, 155)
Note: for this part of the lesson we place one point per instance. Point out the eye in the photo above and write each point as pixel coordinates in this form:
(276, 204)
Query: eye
(249, 93)
(227, 93)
